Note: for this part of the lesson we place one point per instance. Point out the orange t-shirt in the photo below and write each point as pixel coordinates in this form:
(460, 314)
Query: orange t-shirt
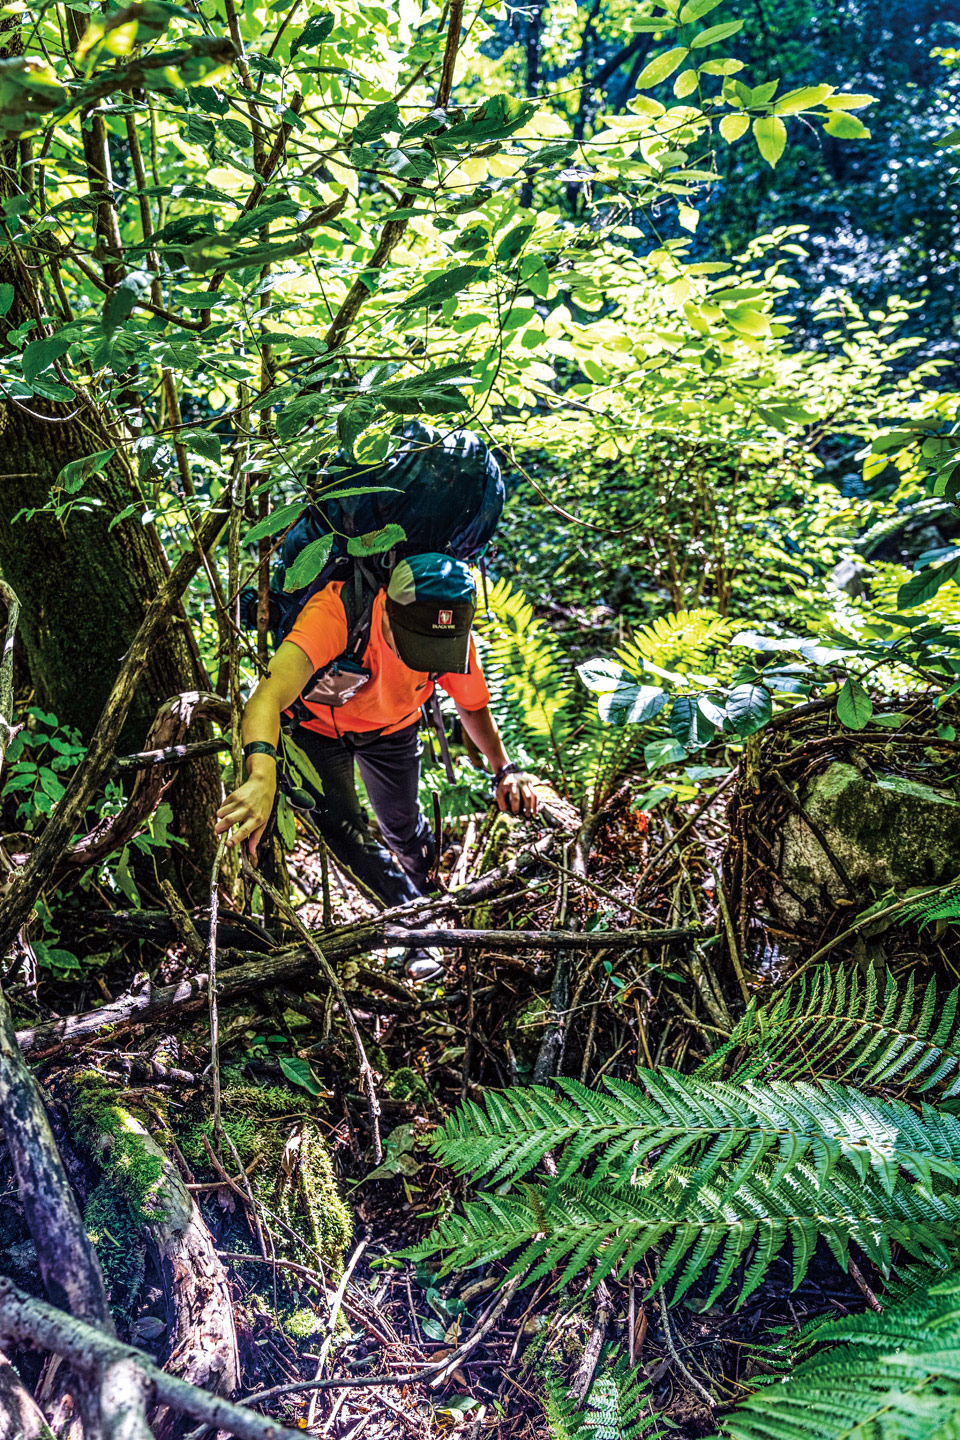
(392, 697)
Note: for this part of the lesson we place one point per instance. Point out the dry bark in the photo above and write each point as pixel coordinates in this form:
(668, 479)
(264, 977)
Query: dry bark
(266, 972)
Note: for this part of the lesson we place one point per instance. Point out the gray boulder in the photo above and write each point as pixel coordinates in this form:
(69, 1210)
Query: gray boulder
(886, 833)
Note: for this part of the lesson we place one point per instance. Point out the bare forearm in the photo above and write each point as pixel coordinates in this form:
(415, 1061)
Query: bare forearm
(482, 729)
(261, 717)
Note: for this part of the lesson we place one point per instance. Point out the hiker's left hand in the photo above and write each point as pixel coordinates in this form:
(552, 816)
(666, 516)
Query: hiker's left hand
(516, 795)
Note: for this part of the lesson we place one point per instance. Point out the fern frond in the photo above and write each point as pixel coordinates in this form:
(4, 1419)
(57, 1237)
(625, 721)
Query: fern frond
(542, 714)
(835, 1022)
(687, 640)
(617, 1406)
(576, 1226)
(721, 1133)
(944, 904)
(894, 1376)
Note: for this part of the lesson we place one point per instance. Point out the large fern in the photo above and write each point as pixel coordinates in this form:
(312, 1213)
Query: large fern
(684, 641)
(573, 1226)
(894, 1376)
(720, 1133)
(543, 714)
(840, 1023)
(617, 1406)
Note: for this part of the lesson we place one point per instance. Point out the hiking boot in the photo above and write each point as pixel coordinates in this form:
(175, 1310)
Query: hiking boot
(422, 963)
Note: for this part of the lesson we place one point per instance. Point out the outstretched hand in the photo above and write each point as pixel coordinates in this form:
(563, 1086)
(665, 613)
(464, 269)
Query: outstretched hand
(516, 794)
(246, 812)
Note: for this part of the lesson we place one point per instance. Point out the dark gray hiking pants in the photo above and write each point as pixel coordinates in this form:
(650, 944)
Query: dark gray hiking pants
(390, 767)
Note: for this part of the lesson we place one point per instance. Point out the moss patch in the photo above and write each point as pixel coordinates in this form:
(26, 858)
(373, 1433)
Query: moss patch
(294, 1177)
(128, 1195)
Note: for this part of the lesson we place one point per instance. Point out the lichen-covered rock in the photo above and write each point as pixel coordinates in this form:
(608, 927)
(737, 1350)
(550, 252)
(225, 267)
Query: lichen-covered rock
(886, 832)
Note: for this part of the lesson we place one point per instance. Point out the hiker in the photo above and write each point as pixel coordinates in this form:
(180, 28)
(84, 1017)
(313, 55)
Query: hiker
(420, 631)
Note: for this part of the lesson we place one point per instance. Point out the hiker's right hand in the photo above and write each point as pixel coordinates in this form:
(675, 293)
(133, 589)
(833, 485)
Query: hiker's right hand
(247, 811)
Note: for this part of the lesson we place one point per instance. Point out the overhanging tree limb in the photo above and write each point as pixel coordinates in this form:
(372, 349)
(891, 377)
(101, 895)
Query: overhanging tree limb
(68, 817)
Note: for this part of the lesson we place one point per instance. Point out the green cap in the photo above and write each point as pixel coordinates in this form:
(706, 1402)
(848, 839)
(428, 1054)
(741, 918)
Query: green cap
(431, 602)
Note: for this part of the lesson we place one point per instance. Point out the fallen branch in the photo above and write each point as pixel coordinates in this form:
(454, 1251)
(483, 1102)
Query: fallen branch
(172, 722)
(146, 1006)
(23, 1319)
(68, 1264)
(542, 939)
(267, 972)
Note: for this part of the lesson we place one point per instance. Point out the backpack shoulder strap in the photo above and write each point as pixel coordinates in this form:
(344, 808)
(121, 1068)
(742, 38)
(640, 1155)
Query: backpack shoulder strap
(357, 596)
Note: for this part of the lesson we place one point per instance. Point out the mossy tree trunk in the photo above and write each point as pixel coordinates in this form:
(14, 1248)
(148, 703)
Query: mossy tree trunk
(84, 587)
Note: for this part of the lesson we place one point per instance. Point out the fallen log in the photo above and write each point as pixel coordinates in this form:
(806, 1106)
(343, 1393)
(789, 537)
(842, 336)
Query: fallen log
(267, 972)
(25, 1319)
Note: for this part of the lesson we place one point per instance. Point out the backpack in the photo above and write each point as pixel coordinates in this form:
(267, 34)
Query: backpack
(446, 492)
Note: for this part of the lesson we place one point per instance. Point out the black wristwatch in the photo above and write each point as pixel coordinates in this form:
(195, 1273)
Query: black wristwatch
(511, 768)
(259, 747)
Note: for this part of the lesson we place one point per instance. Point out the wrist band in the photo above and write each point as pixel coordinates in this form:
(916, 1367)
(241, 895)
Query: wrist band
(511, 768)
(259, 747)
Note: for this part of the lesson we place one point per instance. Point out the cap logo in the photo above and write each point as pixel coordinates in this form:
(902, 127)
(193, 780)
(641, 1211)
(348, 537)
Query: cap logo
(445, 617)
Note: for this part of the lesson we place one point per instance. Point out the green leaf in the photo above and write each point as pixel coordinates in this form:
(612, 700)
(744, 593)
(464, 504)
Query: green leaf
(803, 99)
(202, 442)
(770, 134)
(600, 675)
(123, 879)
(38, 355)
(378, 120)
(689, 724)
(315, 32)
(299, 761)
(512, 243)
(748, 708)
(854, 706)
(696, 9)
(925, 584)
(631, 704)
(849, 102)
(715, 34)
(278, 519)
(376, 542)
(846, 127)
(298, 1072)
(7, 293)
(286, 823)
(685, 84)
(355, 417)
(308, 564)
(733, 126)
(121, 300)
(74, 473)
(661, 67)
(663, 752)
(441, 287)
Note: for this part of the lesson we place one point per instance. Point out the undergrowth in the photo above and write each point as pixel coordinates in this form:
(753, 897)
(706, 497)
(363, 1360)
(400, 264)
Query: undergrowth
(709, 1178)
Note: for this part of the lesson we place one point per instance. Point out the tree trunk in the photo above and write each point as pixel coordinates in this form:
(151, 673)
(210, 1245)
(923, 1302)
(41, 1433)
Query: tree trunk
(83, 587)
